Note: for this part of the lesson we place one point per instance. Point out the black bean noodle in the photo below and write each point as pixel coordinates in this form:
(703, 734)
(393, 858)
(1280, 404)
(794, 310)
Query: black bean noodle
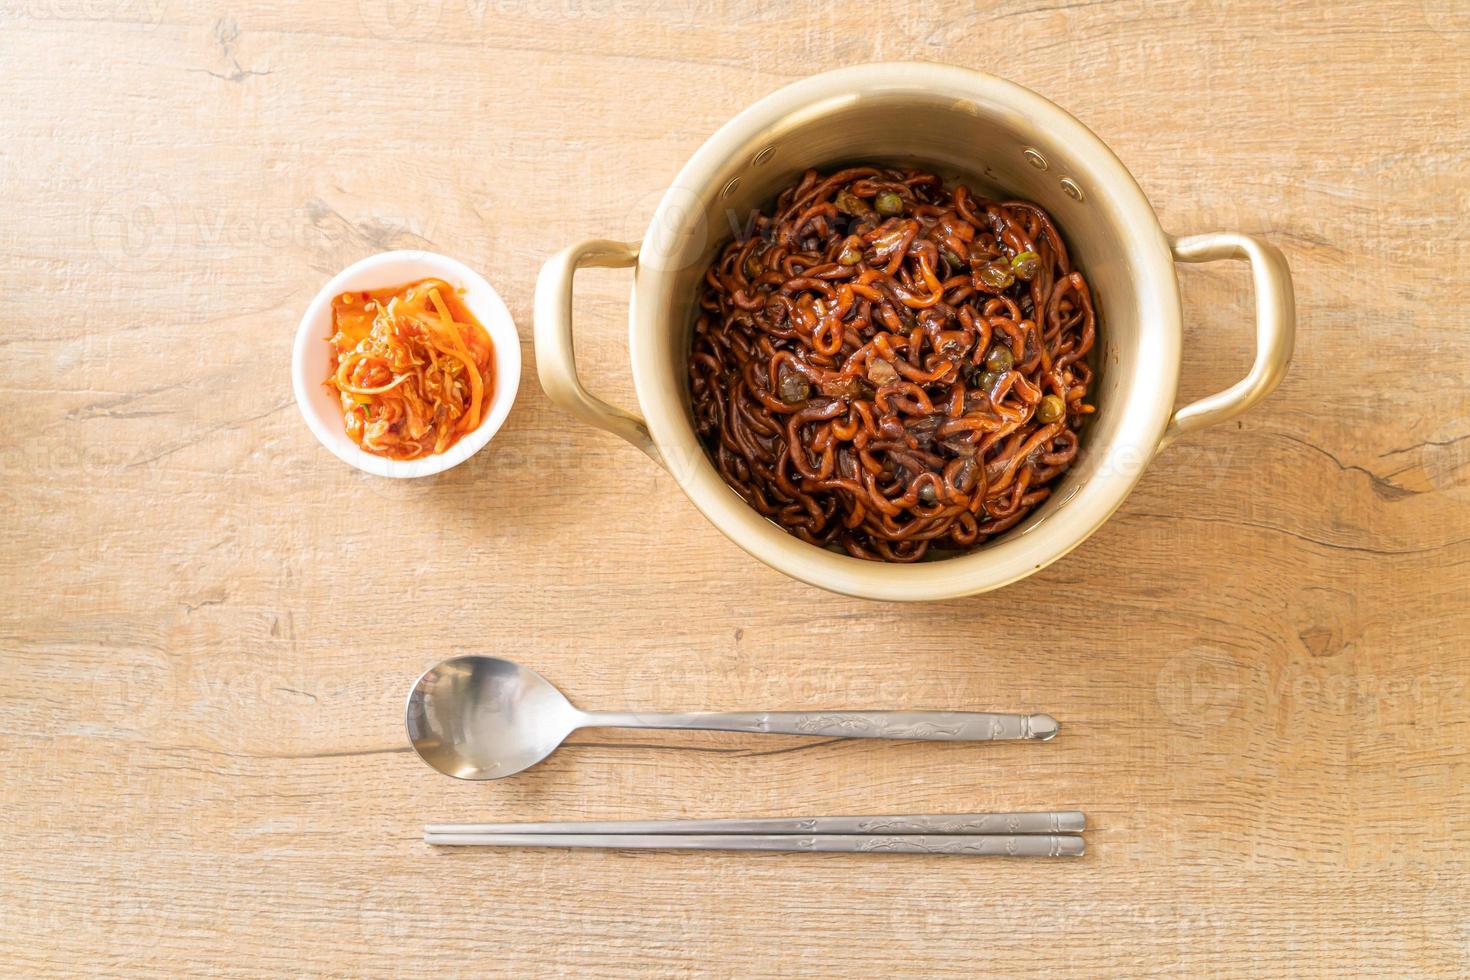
(888, 366)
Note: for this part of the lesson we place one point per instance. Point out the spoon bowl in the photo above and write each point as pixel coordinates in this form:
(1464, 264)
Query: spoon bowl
(484, 718)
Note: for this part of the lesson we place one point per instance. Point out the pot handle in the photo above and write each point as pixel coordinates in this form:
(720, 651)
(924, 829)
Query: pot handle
(556, 363)
(1275, 326)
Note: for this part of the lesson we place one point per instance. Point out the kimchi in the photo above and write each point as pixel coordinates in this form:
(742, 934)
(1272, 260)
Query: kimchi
(412, 366)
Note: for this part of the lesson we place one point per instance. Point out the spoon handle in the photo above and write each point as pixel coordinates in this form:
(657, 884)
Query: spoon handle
(929, 726)
(1036, 845)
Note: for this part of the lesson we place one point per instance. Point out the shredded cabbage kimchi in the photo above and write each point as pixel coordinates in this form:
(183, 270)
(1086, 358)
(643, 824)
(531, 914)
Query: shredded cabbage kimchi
(413, 368)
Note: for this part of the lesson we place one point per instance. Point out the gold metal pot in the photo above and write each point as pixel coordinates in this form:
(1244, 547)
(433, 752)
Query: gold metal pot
(999, 137)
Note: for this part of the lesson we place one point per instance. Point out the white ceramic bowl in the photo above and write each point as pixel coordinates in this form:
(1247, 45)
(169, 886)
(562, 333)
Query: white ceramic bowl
(311, 358)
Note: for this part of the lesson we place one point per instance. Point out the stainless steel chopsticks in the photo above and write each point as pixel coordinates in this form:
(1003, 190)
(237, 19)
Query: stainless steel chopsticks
(1049, 822)
(977, 845)
(1048, 834)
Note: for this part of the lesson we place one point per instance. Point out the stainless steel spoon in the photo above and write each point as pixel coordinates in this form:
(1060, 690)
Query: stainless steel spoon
(484, 718)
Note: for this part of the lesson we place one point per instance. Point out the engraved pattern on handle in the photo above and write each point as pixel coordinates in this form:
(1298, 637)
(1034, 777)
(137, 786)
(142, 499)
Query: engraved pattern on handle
(1009, 846)
(990, 823)
(854, 725)
(959, 726)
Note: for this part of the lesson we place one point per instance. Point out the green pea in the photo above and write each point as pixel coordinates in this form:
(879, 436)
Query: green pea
(995, 276)
(851, 254)
(990, 379)
(1026, 265)
(888, 203)
(1000, 358)
(1050, 409)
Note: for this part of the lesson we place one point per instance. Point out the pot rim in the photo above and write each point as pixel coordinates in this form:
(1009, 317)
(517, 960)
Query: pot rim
(1018, 553)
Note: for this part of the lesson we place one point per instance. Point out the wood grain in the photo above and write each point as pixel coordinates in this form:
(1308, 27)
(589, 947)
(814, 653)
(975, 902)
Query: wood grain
(1261, 662)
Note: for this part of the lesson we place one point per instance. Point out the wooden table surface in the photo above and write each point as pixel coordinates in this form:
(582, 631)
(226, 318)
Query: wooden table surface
(209, 624)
